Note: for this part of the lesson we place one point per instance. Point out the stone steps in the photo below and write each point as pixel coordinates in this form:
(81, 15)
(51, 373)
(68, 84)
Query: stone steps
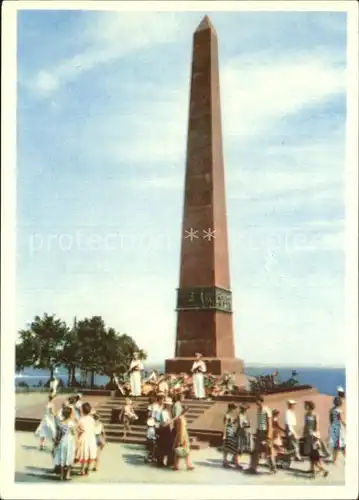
(26, 424)
(143, 401)
(114, 431)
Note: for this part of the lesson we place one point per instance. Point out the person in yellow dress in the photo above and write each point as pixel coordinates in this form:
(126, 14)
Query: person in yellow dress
(182, 443)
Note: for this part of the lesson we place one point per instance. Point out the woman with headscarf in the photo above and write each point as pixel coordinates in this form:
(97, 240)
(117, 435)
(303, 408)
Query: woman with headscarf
(337, 428)
(136, 367)
(198, 370)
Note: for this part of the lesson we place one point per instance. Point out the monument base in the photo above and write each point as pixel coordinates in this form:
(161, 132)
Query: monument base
(216, 366)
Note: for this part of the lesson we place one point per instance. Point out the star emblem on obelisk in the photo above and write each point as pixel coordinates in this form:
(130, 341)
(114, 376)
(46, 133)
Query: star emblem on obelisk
(210, 234)
(191, 234)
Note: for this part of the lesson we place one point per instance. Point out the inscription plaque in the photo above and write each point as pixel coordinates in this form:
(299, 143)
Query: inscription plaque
(204, 298)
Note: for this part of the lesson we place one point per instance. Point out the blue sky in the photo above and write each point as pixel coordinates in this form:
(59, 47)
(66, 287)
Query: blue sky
(102, 116)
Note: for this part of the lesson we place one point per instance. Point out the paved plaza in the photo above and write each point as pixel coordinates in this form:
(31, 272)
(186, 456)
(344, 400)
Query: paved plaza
(122, 463)
(33, 404)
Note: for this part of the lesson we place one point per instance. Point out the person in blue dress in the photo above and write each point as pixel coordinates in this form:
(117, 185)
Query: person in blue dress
(64, 454)
(337, 428)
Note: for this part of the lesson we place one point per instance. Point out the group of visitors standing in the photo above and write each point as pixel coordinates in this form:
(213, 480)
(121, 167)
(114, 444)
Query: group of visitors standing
(76, 434)
(167, 435)
(278, 443)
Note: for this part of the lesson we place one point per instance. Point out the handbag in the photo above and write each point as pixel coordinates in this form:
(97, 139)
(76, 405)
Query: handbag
(181, 452)
(100, 440)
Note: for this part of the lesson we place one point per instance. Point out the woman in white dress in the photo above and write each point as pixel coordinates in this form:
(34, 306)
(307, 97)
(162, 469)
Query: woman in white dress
(86, 446)
(136, 367)
(198, 370)
(47, 428)
(64, 454)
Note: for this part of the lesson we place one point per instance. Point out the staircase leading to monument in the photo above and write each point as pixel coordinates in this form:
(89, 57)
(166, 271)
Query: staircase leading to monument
(114, 430)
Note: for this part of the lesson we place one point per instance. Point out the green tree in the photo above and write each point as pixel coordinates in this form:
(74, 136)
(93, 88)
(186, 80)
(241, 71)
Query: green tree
(41, 344)
(70, 354)
(24, 354)
(88, 345)
(123, 354)
(91, 337)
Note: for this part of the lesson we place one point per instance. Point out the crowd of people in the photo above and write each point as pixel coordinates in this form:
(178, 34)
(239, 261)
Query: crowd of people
(167, 438)
(279, 445)
(76, 433)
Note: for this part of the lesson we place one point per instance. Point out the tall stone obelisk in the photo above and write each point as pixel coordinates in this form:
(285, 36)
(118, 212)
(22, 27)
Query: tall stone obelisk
(204, 300)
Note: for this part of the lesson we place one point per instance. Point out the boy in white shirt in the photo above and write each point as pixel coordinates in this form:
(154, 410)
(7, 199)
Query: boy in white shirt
(290, 421)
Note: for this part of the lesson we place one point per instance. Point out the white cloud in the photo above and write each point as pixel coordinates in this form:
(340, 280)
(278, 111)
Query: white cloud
(46, 83)
(108, 37)
(254, 97)
(259, 92)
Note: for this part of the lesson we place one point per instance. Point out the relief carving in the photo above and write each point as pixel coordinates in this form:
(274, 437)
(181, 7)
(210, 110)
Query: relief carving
(205, 298)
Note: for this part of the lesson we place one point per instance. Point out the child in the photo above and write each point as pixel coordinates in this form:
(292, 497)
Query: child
(150, 440)
(316, 457)
(128, 415)
(100, 438)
